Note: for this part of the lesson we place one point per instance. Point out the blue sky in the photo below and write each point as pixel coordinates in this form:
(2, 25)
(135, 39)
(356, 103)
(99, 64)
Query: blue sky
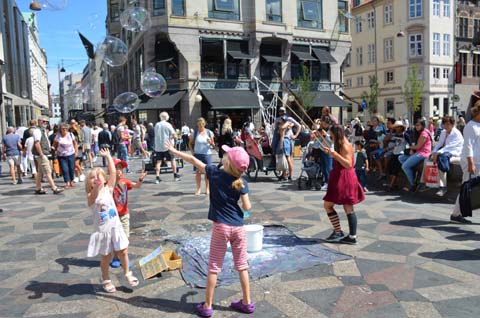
(58, 35)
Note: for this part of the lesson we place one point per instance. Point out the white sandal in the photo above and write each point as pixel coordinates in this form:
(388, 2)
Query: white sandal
(108, 286)
(132, 280)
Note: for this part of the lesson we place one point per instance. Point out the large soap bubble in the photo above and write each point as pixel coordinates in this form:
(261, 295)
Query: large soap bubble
(152, 83)
(113, 51)
(136, 19)
(126, 102)
(53, 5)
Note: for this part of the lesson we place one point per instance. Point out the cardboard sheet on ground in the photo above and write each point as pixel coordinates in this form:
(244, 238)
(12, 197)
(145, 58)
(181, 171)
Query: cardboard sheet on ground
(282, 251)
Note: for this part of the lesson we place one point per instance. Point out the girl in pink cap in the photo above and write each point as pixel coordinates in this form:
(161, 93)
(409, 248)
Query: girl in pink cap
(227, 187)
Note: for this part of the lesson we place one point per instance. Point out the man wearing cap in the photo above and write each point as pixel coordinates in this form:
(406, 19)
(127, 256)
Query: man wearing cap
(291, 134)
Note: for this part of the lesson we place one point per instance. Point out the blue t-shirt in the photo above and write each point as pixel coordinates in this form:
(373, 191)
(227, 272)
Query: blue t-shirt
(224, 206)
(10, 142)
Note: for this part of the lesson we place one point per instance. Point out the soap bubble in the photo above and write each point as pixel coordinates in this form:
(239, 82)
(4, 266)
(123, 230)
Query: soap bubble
(24, 94)
(153, 84)
(113, 51)
(93, 21)
(53, 5)
(126, 102)
(135, 19)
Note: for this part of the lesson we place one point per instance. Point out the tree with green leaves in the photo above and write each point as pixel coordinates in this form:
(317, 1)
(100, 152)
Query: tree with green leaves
(372, 97)
(413, 91)
(304, 92)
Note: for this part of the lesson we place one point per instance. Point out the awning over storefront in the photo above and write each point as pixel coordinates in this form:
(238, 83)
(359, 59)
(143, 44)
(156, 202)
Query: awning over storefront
(231, 99)
(324, 56)
(272, 58)
(166, 101)
(304, 56)
(328, 99)
(238, 55)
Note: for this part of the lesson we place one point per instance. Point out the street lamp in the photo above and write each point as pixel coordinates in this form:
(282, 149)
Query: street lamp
(35, 6)
(60, 95)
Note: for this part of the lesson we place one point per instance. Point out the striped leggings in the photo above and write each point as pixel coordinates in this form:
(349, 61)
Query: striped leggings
(221, 234)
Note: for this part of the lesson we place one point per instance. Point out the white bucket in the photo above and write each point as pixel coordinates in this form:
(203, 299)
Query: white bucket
(254, 237)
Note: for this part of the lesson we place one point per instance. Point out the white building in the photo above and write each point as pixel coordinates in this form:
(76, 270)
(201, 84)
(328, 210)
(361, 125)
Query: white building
(38, 63)
(55, 109)
(388, 37)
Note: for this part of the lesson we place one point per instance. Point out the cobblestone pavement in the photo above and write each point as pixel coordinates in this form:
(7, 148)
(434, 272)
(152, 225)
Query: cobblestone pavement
(410, 261)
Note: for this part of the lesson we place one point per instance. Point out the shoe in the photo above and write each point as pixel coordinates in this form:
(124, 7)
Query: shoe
(14, 182)
(459, 219)
(20, 181)
(115, 263)
(349, 240)
(441, 192)
(176, 177)
(82, 178)
(381, 177)
(157, 181)
(324, 187)
(57, 190)
(41, 191)
(75, 180)
(202, 312)
(335, 237)
(365, 189)
(240, 306)
(422, 188)
(289, 179)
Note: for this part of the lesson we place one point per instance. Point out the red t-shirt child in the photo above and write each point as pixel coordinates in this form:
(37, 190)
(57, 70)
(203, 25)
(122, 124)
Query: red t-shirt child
(120, 195)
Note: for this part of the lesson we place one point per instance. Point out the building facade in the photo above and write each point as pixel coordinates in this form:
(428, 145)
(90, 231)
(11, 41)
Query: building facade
(71, 94)
(209, 51)
(55, 108)
(388, 37)
(467, 53)
(16, 105)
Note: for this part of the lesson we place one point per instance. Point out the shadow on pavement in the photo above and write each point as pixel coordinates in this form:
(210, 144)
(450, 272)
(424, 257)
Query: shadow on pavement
(454, 255)
(437, 225)
(70, 261)
(19, 192)
(170, 193)
(63, 290)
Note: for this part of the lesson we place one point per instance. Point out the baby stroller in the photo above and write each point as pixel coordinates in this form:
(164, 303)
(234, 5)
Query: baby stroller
(311, 174)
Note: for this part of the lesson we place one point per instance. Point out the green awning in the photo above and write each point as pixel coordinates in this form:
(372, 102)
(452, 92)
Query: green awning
(166, 101)
(231, 99)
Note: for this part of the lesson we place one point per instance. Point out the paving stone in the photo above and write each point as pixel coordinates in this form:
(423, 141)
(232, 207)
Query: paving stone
(33, 238)
(396, 248)
(321, 270)
(17, 255)
(368, 266)
(195, 216)
(458, 308)
(50, 225)
(264, 309)
(390, 311)
(324, 304)
(7, 310)
(424, 278)
(352, 280)
(7, 229)
(4, 274)
(63, 215)
(466, 260)
(4, 291)
(409, 295)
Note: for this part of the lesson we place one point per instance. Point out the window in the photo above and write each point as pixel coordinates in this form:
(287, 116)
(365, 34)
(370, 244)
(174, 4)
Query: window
(463, 27)
(436, 44)
(274, 10)
(178, 7)
(446, 44)
(389, 77)
(415, 45)
(476, 26)
(436, 8)
(224, 9)
(446, 73)
(212, 59)
(158, 7)
(388, 49)
(388, 14)
(358, 25)
(371, 53)
(390, 107)
(270, 70)
(348, 83)
(436, 72)
(371, 20)
(463, 63)
(446, 8)
(356, 3)
(415, 8)
(310, 13)
(445, 106)
(360, 81)
(343, 21)
(348, 60)
(359, 56)
(476, 65)
(114, 13)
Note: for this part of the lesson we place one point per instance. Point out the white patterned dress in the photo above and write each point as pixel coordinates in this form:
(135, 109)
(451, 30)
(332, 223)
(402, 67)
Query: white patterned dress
(108, 235)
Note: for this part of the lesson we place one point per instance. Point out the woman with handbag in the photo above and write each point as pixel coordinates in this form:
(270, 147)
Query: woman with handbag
(469, 158)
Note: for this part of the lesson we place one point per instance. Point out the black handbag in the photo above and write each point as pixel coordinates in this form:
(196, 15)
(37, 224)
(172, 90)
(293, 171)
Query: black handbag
(467, 200)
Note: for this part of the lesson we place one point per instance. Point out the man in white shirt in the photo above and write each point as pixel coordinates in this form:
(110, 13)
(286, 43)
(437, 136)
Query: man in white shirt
(163, 132)
(96, 130)
(185, 136)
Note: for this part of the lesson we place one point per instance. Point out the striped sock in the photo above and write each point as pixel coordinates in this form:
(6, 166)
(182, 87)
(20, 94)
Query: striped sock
(333, 216)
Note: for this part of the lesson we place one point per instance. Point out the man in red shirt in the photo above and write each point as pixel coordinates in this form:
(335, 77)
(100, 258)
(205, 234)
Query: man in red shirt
(120, 196)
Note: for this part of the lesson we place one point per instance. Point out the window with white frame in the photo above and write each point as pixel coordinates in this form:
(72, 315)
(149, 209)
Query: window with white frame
(389, 77)
(358, 25)
(436, 44)
(446, 8)
(371, 20)
(359, 56)
(415, 8)
(436, 8)
(415, 44)
(348, 83)
(446, 44)
(476, 65)
(348, 60)
(388, 14)
(463, 27)
(360, 81)
(388, 49)
(371, 53)
(436, 72)
(446, 73)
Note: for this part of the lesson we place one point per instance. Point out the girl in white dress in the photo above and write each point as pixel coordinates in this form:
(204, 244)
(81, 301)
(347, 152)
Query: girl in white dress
(108, 235)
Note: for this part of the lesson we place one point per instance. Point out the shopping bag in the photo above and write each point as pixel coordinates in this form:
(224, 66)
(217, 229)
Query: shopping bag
(431, 175)
(282, 164)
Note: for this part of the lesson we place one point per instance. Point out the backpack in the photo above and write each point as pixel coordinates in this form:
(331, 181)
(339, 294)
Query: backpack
(116, 139)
